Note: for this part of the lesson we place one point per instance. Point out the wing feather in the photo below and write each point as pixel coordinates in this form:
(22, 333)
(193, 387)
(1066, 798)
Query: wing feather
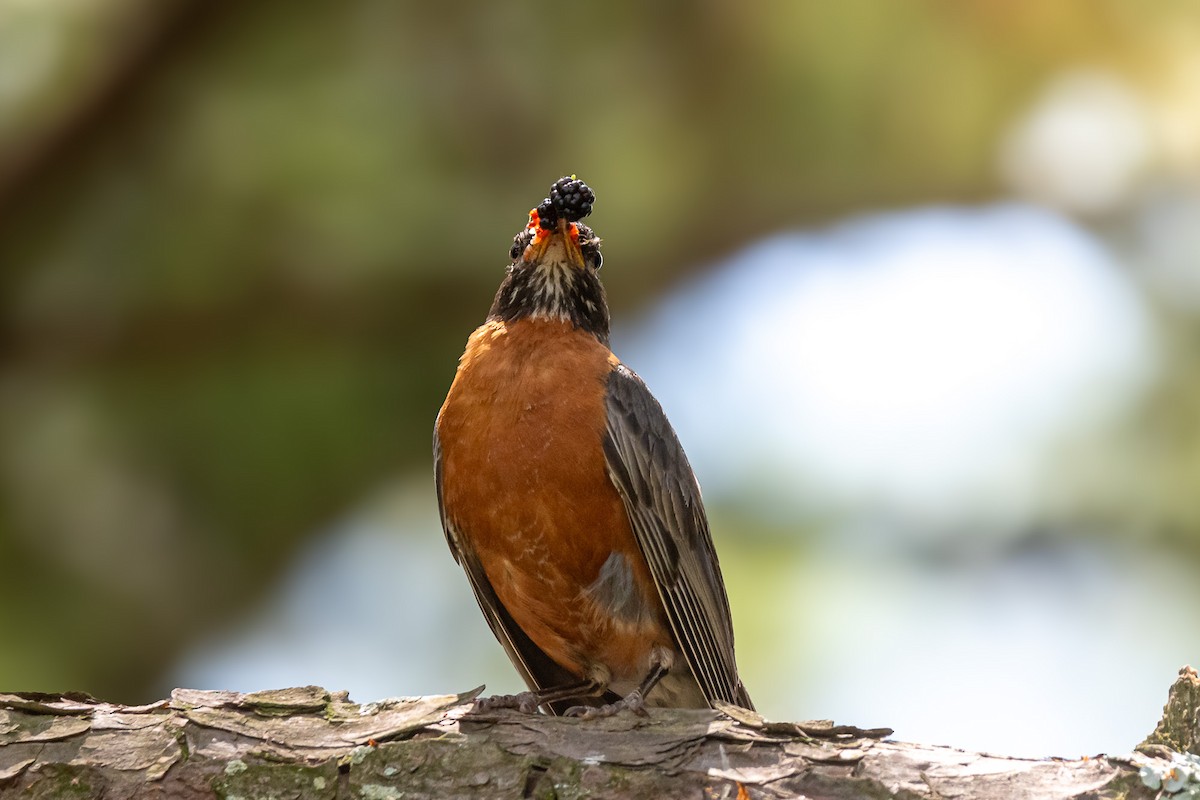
(647, 465)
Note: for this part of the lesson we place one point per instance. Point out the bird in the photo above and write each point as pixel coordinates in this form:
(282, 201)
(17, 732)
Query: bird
(568, 500)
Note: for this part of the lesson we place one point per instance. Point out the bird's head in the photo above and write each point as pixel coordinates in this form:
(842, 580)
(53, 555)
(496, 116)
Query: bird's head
(554, 233)
(554, 262)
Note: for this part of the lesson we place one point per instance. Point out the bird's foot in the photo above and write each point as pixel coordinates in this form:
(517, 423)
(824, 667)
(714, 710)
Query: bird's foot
(634, 701)
(525, 702)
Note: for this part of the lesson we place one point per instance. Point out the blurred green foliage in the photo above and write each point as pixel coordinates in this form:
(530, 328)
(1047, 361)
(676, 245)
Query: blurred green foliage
(241, 244)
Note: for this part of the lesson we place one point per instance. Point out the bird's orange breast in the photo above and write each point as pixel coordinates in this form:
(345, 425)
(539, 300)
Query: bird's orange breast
(525, 485)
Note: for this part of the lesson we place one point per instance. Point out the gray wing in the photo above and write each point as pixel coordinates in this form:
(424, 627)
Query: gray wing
(648, 466)
(537, 669)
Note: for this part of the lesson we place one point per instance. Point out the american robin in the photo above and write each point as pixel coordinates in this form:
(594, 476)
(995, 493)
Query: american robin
(567, 499)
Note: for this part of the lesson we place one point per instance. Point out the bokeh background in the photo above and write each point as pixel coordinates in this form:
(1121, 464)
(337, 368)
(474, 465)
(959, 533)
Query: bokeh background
(917, 283)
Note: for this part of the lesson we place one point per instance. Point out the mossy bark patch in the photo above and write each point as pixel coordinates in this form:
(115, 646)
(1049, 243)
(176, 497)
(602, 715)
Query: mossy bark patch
(1179, 728)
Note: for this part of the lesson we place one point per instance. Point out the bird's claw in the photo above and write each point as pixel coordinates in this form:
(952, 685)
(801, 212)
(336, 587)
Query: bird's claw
(525, 702)
(634, 701)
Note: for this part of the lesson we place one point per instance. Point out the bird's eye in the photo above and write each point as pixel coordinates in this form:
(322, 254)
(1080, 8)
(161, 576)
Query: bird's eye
(520, 242)
(597, 260)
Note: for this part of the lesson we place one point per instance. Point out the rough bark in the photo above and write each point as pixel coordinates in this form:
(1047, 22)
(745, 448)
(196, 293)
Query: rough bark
(310, 743)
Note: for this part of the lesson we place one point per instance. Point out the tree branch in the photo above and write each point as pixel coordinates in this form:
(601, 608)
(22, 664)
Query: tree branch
(308, 742)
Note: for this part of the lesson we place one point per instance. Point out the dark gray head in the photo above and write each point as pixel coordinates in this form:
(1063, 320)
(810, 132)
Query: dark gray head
(555, 260)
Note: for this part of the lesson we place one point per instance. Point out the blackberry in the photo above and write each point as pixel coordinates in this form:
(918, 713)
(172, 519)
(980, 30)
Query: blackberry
(571, 198)
(547, 214)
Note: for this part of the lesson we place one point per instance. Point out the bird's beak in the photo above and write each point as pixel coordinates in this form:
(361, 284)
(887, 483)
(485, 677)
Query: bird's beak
(563, 237)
